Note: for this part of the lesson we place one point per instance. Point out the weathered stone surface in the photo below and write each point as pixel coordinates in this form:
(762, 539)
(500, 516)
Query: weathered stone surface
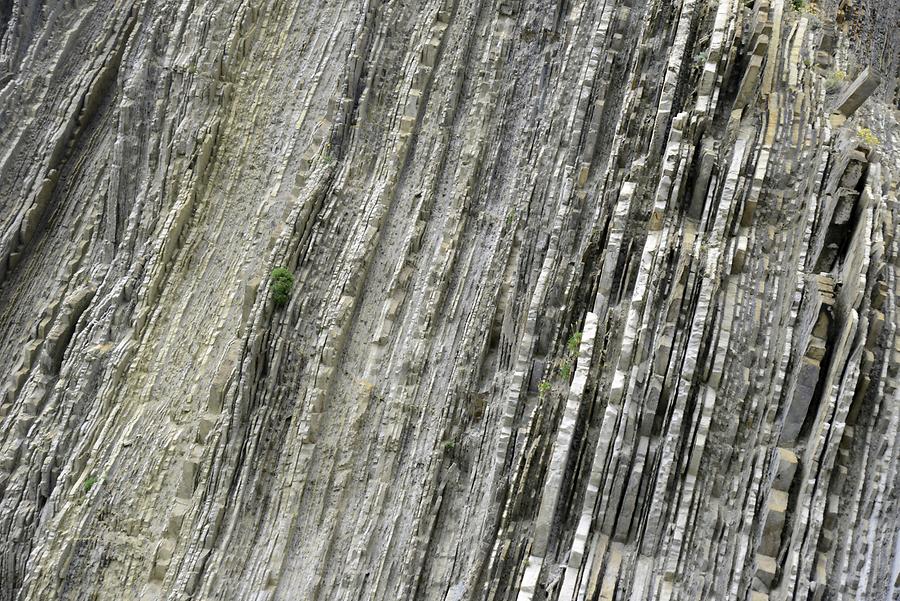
(592, 300)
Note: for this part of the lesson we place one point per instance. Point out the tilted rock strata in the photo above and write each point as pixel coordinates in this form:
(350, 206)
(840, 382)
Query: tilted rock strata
(593, 300)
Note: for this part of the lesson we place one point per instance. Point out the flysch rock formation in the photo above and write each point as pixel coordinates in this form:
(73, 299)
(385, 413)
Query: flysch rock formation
(593, 300)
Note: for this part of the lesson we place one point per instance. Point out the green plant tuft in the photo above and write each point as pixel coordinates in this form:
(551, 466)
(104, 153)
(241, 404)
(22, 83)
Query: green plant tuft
(573, 343)
(807, 7)
(865, 134)
(89, 483)
(544, 388)
(510, 217)
(282, 282)
(834, 81)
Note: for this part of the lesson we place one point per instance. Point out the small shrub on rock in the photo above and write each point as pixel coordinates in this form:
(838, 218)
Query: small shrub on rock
(282, 282)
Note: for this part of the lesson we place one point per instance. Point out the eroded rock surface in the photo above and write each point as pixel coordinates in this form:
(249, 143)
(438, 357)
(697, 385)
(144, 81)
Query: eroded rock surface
(593, 299)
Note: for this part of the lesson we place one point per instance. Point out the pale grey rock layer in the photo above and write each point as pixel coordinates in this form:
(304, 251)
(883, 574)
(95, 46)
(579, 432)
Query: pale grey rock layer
(594, 300)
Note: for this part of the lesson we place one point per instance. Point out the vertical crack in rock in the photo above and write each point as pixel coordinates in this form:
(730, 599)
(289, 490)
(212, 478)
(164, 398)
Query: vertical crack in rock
(594, 299)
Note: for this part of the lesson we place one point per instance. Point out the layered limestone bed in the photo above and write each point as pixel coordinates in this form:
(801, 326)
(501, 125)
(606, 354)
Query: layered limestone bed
(593, 300)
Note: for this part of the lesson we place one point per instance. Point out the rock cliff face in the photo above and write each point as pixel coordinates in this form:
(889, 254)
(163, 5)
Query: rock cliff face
(593, 299)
